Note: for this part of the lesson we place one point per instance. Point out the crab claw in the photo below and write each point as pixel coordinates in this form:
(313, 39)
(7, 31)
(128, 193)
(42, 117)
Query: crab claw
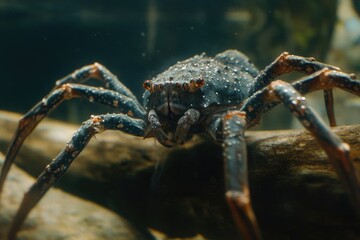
(160, 136)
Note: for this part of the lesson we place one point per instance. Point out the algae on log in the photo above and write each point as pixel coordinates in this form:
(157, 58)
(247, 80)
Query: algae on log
(179, 190)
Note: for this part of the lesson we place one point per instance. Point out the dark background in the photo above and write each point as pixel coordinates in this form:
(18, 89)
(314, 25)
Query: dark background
(43, 41)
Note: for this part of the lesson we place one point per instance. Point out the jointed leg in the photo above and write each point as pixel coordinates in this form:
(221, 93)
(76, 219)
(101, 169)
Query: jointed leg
(236, 177)
(96, 71)
(324, 79)
(287, 63)
(329, 105)
(61, 163)
(328, 79)
(67, 91)
(337, 151)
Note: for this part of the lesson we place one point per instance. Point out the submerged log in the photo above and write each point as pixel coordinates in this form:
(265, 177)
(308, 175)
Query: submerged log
(60, 215)
(179, 191)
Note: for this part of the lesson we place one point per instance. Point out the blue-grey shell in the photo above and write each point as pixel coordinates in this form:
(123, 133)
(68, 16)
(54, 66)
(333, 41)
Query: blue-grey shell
(227, 77)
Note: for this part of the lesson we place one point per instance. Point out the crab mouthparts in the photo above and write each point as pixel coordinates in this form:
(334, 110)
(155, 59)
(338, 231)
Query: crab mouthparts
(171, 109)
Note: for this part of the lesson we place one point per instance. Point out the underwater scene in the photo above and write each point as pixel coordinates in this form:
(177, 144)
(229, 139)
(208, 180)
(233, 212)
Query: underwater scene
(164, 120)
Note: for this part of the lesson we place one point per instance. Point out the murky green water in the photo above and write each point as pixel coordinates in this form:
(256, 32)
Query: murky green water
(44, 41)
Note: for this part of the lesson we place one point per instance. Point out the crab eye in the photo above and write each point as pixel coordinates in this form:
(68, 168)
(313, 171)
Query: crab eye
(160, 87)
(195, 84)
(186, 86)
(148, 85)
(199, 82)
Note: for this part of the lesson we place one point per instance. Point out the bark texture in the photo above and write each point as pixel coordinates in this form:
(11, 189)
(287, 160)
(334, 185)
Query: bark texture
(179, 191)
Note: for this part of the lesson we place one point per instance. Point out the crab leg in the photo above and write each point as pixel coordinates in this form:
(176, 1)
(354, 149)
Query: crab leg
(336, 150)
(61, 163)
(327, 79)
(67, 91)
(287, 63)
(324, 79)
(96, 71)
(329, 105)
(236, 177)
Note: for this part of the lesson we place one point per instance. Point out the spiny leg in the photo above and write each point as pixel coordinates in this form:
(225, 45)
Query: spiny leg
(236, 175)
(336, 150)
(324, 79)
(327, 79)
(61, 163)
(67, 91)
(96, 71)
(287, 63)
(329, 105)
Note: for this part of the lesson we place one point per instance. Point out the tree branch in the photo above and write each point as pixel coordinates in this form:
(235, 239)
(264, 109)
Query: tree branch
(294, 188)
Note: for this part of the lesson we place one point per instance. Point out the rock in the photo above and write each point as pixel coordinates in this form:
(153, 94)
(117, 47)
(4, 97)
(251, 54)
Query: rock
(60, 215)
(179, 191)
